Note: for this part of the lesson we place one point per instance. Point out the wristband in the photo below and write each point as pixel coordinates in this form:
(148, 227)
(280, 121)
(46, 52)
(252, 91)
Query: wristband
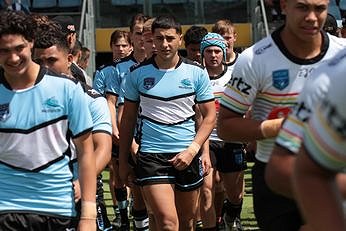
(88, 210)
(193, 148)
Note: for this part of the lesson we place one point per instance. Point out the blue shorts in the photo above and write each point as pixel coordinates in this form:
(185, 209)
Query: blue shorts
(154, 168)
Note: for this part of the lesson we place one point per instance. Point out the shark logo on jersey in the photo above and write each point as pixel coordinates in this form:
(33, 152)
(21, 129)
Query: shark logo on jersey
(149, 83)
(4, 112)
(280, 79)
(51, 105)
(186, 84)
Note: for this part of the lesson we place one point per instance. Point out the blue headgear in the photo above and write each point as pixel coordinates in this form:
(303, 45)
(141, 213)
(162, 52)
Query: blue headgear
(213, 39)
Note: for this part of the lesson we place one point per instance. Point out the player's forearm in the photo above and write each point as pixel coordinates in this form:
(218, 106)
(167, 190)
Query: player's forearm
(316, 189)
(239, 129)
(127, 127)
(103, 148)
(204, 129)
(279, 171)
(87, 169)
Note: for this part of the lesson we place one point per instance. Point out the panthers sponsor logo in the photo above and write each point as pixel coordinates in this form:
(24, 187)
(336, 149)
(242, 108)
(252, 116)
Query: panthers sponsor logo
(240, 85)
(149, 83)
(4, 112)
(280, 79)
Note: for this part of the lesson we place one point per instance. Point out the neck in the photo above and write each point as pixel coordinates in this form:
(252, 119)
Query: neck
(24, 80)
(301, 48)
(167, 63)
(230, 57)
(139, 55)
(215, 71)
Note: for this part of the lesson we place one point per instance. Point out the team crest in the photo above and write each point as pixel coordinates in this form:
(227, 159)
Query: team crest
(280, 79)
(4, 112)
(149, 83)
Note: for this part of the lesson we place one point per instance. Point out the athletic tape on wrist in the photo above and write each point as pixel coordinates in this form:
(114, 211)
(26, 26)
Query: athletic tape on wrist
(88, 210)
(194, 148)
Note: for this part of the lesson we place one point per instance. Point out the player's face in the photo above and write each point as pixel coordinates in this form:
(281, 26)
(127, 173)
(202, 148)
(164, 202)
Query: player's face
(230, 37)
(149, 45)
(193, 52)
(137, 37)
(121, 48)
(213, 56)
(15, 54)
(167, 43)
(53, 58)
(305, 18)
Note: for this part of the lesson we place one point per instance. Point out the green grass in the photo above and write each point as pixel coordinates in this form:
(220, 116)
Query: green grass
(247, 215)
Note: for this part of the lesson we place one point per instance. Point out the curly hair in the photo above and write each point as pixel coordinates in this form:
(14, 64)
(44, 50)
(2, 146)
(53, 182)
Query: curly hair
(17, 22)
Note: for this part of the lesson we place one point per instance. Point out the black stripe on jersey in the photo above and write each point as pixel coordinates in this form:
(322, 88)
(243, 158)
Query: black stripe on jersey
(90, 91)
(132, 101)
(194, 63)
(169, 98)
(101, 131)
(37, 127)
(172, 124)
(205, 101)
(82, 133)
(39, 168)
(112, 93)
(144, 63)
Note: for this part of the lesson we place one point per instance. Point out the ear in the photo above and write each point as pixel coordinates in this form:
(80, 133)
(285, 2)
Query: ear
(69, 60)
(180, 39)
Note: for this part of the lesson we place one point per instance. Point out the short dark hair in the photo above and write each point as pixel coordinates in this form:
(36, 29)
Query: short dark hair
(137, 19)
(194, 35)
(166, 22)
(51, 37)
(16, 22)
(118, 34)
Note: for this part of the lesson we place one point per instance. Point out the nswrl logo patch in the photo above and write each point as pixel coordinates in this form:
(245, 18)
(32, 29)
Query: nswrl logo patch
(149, 83)
(280, 79)
(4, 111)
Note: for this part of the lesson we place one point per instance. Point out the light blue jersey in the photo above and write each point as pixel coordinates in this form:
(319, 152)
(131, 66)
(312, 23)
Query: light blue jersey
(105, 71)
(166, 99)
(114, 83)
(34, 163)
(100, 116)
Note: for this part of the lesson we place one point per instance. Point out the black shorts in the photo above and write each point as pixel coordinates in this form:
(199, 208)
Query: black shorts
(273, 212)
(230, 157)
(35, 222)
(154, 168)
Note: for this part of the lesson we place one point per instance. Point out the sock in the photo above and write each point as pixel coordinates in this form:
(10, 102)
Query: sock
(141, 219)
(121, 196)
(233, 210)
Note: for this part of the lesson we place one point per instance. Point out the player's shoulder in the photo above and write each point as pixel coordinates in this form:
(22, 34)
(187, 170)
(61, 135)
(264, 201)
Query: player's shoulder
(186, 61)
(90, 91)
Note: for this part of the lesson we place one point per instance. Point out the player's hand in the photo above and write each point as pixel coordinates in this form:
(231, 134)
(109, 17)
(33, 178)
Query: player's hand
(77, 192)
(206, 164)
(182, 160)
